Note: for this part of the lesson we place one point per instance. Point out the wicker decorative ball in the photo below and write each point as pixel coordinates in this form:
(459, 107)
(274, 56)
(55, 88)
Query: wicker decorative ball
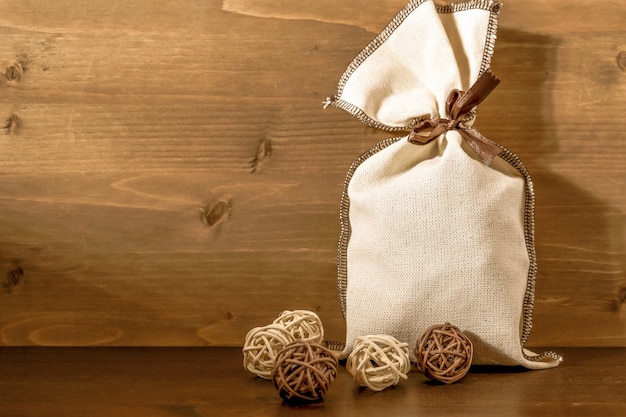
(261, 347)
(378, 361)
(304, 371)
(302, 324)
(444, 353)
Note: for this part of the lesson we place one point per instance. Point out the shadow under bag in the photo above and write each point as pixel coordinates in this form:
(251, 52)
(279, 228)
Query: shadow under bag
(437, 224)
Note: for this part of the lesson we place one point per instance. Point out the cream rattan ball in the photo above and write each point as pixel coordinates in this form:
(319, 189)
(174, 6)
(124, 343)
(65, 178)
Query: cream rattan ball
(261, 347)
(378, 361)
(302, 324)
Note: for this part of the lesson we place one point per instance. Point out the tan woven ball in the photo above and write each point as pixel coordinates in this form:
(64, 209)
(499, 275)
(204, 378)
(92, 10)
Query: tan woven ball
(302, 324)
(444, 353)
(378, 361)
(304, 371)
(261, 347)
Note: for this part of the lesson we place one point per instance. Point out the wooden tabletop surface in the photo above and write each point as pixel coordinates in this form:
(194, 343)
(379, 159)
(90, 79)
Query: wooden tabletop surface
(192, 382)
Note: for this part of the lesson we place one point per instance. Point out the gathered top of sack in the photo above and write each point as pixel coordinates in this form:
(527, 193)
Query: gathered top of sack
(407, 72)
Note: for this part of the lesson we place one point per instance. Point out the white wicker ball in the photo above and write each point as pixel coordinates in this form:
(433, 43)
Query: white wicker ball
(302, 324)
(378, 361)
(261, 347)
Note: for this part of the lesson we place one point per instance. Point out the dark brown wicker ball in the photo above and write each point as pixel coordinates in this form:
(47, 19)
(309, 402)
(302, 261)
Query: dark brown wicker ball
(303, 371)
(444, 353)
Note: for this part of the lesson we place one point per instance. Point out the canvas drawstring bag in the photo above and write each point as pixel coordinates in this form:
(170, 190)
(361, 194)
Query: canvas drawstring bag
(437, 225)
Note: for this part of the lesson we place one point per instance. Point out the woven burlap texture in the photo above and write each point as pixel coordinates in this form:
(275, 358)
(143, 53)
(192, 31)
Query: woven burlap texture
(437, 236)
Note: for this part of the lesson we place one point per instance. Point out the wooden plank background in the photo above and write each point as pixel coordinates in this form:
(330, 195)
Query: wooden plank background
(168, 176)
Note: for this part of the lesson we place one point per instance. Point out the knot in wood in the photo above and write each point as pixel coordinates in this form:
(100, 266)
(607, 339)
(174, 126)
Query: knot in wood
(444, 353)
(11, 124)
(14, 276)
(621, 60)
(218, 212)
(14, 72)
(304, 371)
(302, 324)
(378, 361)
(261, 347)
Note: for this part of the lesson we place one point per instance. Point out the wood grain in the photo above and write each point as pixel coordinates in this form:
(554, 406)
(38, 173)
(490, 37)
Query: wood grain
(176, 382)
(168, 177)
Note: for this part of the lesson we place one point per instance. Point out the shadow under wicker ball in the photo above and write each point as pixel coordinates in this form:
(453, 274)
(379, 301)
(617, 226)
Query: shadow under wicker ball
(443, 353)
(304, 371)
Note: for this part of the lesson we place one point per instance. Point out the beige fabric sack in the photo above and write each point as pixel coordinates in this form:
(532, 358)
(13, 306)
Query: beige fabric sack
(435, 232)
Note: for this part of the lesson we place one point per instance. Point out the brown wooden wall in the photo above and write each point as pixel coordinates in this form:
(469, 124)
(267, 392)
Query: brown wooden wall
(168, 176)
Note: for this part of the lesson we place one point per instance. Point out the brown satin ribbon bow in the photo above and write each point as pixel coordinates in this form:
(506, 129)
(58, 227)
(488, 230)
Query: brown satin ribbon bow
(460, 103)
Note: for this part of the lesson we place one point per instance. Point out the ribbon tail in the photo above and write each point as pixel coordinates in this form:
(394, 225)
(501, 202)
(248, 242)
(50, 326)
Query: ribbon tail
(476, 94)
(485, 149)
